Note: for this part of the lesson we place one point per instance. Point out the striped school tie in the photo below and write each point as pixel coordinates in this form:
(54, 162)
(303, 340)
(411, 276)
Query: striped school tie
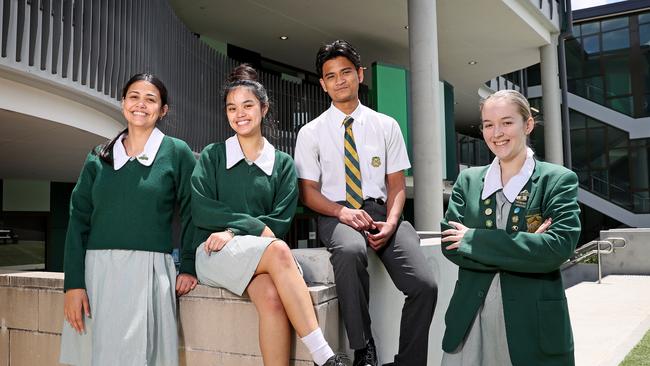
(353, 193)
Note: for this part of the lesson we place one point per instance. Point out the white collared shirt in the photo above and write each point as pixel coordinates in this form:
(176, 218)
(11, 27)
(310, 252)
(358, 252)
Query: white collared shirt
(146, 158)
(319, 154)
(234, 154)
(492, 182)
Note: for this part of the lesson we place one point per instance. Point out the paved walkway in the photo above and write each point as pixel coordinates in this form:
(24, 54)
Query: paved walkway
(609, 319)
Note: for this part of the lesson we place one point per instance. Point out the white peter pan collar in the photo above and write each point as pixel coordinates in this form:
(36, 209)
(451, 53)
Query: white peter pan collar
(336, 116)
(234, 155)
(493, 183)
(146, 158)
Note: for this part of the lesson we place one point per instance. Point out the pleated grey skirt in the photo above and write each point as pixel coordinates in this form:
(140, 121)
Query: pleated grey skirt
(132, 312)
(234, 265)
(486, 343)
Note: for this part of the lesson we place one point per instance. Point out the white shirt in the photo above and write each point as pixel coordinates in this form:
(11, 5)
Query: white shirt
(319, 154)
(492, 182)
(146, 157)
(234, 155)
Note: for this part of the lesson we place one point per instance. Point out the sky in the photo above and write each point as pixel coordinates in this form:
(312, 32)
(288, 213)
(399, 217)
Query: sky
(581, 4)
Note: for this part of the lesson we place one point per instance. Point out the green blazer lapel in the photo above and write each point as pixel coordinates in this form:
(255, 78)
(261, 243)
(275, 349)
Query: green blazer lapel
(487, 207)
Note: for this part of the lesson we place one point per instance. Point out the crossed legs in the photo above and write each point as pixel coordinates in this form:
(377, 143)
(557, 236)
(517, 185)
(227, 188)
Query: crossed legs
(281, 297)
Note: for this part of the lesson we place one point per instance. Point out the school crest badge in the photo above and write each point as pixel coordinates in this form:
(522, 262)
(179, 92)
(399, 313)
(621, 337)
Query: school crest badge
(533, 222)
(376, 161)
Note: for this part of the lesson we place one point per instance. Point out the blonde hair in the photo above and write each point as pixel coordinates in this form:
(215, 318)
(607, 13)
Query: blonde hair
(512, 96)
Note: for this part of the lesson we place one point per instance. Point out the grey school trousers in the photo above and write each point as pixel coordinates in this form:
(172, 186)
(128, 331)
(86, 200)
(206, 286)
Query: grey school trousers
(406, 266)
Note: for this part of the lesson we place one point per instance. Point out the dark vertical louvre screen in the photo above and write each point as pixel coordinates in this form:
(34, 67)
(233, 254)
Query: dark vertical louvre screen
(96, 45)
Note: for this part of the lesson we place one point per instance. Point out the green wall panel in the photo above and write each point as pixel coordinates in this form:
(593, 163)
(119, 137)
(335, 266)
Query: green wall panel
(390, 93)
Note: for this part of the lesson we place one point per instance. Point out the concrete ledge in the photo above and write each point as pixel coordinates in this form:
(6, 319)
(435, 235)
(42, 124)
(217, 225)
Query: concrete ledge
(4, 346)
(216, 327)
(33, 348)
(216, 324)
(315, 265)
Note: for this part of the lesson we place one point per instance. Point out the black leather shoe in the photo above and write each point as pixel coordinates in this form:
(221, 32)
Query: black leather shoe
(339, 359)
(366, 356)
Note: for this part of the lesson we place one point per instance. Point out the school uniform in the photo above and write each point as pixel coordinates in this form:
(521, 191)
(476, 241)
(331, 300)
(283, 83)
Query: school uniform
(381, 150)
(229, 192)
(118, 247)
(509, 305)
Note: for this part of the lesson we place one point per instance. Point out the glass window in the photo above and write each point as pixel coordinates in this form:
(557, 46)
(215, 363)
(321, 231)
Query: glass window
(623, 105)
(579, 149)
(597, 153)
(644, 18)
(573, 60)
(616, 40)
(583, 176)
(639, 166)
(591, 44)
(590, 28)
(617, 76)
(576, 120)
(592, 66)
(617, 138)
(637, 142)
(645, 67)
(641, 201)
(619, 174)
(646, 105)
(575, 30)
(617, 23)
(592, 123)
(594, 89)
(600, 182)
(644, 35)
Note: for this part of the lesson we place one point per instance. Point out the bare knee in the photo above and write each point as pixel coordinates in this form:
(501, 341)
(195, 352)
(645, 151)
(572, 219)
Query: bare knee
(267, 300)
(280, 255)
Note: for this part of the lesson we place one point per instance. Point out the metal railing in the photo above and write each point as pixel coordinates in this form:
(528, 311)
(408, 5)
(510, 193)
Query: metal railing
(94, 46)
(595, 248)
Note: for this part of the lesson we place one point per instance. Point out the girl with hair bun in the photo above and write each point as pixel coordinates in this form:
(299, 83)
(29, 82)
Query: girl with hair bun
(244, 195)
(120, 303)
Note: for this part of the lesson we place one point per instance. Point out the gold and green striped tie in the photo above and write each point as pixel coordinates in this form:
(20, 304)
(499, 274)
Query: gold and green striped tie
(353, 193)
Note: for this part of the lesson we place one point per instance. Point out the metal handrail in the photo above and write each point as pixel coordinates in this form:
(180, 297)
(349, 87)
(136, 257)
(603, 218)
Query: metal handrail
(595, 248)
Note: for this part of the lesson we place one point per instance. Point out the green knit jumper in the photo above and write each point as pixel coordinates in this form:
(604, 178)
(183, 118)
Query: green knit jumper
(130, 208)
(242, 198)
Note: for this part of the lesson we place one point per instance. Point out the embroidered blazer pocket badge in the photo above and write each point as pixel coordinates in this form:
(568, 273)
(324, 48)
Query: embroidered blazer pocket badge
(533, 222)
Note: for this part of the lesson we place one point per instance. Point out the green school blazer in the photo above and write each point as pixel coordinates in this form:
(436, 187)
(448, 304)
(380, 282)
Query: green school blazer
(537, 322)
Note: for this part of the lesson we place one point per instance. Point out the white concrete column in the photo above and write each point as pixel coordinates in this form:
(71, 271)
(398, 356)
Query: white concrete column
(425, 107)
(552, 100)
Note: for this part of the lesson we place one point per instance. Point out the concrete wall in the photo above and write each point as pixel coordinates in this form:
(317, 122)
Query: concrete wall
(386, 303)
(631, 259)
(216, 327)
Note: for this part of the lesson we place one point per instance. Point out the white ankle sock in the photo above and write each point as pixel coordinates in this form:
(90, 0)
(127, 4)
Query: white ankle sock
(318, 347)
